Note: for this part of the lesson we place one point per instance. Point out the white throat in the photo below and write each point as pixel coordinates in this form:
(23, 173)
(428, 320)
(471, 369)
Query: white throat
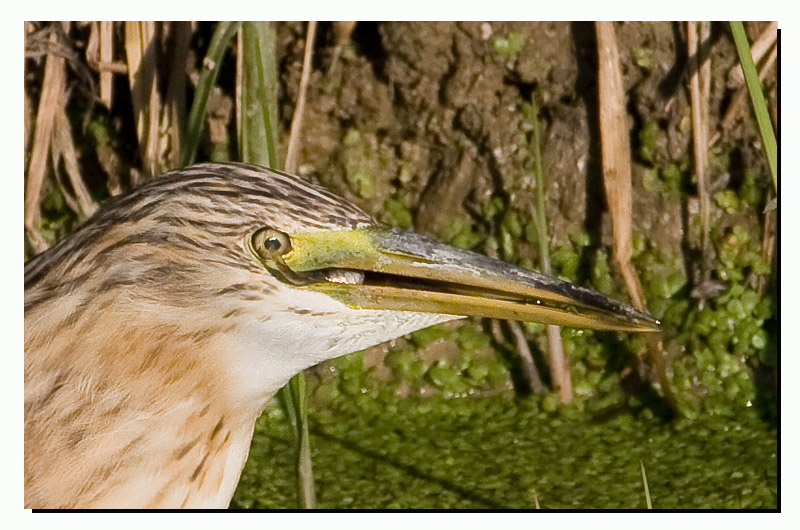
(267, 352)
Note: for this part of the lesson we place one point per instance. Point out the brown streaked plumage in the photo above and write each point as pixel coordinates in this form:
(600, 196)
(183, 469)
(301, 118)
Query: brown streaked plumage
(156, 333)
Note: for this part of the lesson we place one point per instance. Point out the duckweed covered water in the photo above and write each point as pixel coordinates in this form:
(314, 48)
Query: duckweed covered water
(502, 453)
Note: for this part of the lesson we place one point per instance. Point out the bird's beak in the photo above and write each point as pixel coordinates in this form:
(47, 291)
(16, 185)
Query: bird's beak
(384, 268)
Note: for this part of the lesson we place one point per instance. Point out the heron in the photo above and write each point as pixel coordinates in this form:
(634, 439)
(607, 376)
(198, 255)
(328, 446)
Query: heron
(157, 333)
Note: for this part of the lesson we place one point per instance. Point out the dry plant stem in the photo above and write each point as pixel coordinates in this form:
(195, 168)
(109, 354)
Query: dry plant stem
(616, 159)
(655, 348)
(175, 104)
(37, 241)
(705, 97)
(760, 47)
(93, 45)
(140, 50)
(762, 44)
(28, 119)
(559, 364)
(497, 331)
(343, 30)
(100, 55)
(705, 73)
(528, 365)
(55, 155)
(740, 97)
(52, 88)
(529, 370)
(106, 56)
(698, 87)
(290, 162)
(616, 154)
(64, 148)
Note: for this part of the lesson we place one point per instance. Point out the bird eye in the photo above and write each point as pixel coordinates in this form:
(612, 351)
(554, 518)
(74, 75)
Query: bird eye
(268, 242)
(268, 246)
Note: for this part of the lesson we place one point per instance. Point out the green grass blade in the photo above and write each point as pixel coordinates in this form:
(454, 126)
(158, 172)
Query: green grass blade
(258, 144)
(757, 97)
(559, 367)
(208, 78)
(646, 488)
(304, 470)
(541, 218)
(258, 137)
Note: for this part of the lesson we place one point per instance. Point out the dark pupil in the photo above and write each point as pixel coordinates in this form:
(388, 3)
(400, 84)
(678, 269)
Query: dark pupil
(273, 243)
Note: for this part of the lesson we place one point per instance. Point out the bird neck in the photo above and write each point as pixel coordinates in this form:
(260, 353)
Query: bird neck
(131, 411)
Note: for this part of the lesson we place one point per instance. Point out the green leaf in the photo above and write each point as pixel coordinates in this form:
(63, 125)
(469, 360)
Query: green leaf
(208, 78)
(757, 97)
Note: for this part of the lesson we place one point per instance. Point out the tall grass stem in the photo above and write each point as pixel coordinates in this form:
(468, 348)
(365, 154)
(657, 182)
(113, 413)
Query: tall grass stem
(223, 34)
(559, 364)
(757, 97)
(646, 487)
(258, 144)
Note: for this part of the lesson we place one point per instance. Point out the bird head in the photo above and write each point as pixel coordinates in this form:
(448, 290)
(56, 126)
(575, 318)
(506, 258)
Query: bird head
(282, 274)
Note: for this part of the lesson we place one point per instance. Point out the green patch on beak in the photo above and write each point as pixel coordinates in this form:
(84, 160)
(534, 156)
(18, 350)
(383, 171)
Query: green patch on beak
(329, 248)
(385, 268)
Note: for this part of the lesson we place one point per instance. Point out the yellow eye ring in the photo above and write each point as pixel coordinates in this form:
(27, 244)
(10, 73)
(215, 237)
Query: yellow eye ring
(268, 243)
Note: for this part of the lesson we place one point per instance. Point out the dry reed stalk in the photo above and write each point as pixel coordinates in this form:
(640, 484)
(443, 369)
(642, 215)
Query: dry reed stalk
(290, 162)
(559, 364)
(529, 370)
(93, 45)
(616, 154)
(106, 57)
(63, 148)
(37, 241)
(174, 109)
(616, 160)
(497, 331)
(28, 121)
(342, 31)
(705, 70)
(50, 99)
(69, 198)
(765, 41)
(100, 57)
(740, 96)
(140, 51)
(699, 84)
